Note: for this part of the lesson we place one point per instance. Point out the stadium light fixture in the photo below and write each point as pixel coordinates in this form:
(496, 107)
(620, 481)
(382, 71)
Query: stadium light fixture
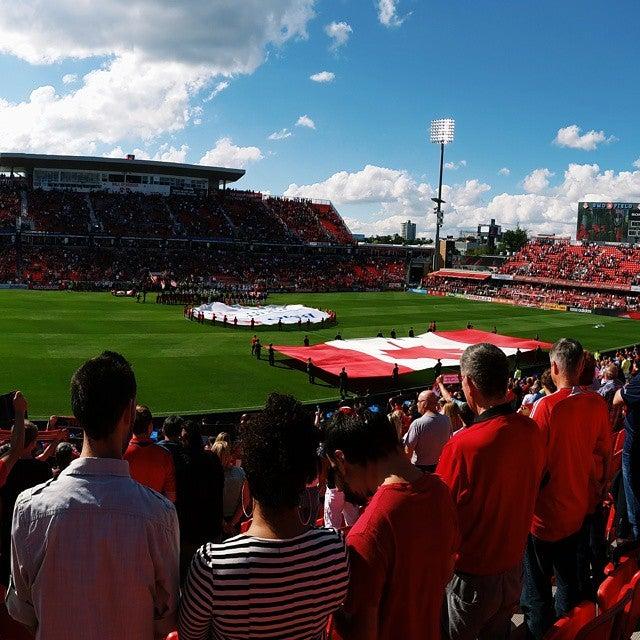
(442, 132)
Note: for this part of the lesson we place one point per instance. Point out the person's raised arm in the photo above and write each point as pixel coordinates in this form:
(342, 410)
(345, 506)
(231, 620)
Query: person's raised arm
(17, 437)
(444, 392)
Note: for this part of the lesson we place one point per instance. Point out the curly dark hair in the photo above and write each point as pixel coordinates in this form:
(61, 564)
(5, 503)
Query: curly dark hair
(279, 448)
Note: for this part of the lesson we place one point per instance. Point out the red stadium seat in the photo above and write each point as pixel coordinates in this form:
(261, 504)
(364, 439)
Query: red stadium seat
(607, 625)
(568, 627)
(631, 615)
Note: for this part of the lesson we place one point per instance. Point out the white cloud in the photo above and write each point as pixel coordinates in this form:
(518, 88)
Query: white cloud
(226, 36)
(636, 164)
(339, 32)
(390, 196)
(305, 121)
(281, 135)
(108, 107)
(69, 78)
(164, 153)
(571, 137)
(323, 76)
(505, 171)
(454, 166)
(537, 181)
(388, 13)
(217, 90)
(156, 58)
(227, 154)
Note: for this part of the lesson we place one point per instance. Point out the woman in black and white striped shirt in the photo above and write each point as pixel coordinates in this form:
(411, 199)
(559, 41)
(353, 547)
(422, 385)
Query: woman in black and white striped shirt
(282, 579)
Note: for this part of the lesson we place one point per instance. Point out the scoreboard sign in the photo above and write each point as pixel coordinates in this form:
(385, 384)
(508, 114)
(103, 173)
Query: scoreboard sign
(609, 222)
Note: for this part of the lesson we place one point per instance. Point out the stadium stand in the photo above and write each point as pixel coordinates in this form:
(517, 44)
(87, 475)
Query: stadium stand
(58, 212)
(10, 204)
(114, 238)
(576, 263)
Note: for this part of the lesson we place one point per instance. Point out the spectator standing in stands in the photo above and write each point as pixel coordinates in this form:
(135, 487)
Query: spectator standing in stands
(95, 539)
(427, 434)
(202, 500)
(233, 500)
(629, 397)
(149, 463)
(16, 445)
(234, 595)
(26, 473)
(573, 424)
(343, 378)
(493, 469)
(65, 455)
(398, 570)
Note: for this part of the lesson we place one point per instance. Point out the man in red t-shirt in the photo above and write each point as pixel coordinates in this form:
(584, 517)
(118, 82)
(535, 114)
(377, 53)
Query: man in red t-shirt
(574, 423)
(493, 469)
(401, 550)
(149, 463)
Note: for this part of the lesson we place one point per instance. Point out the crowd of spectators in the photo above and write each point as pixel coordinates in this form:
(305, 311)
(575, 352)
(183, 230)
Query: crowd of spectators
(585, 262)
(10, 205)
(231, 537)
(267, 268)
(537, 295)
(58, 212)
(221, 215)
(132, 214)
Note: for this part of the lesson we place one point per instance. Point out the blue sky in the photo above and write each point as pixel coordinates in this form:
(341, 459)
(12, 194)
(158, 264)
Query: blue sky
(512, 74)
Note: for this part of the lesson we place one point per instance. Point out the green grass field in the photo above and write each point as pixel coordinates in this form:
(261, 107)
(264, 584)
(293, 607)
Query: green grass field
(186, 367)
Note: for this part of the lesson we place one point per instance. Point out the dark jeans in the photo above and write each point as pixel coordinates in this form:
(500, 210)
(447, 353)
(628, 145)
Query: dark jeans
(631, 476)
(592, 554)
(542, 561)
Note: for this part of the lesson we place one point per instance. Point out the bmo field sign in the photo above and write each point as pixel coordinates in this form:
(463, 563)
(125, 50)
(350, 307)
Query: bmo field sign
(609, 221)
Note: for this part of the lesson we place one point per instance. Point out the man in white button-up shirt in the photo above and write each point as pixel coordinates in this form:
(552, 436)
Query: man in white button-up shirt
(94, 553)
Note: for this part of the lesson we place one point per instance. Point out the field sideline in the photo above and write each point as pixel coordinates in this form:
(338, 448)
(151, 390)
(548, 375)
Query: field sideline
(185, 367)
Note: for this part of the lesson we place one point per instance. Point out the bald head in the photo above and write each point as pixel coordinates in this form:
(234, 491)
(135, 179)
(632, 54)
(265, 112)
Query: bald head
(427, 401)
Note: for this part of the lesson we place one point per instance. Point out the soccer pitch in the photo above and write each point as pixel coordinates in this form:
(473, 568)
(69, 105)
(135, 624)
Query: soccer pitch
(186, 367)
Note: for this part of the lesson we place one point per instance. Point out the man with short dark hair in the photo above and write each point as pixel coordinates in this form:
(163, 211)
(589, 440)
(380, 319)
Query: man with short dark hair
(493, 469)
(94, 537)
(399, 569)
(150, 464)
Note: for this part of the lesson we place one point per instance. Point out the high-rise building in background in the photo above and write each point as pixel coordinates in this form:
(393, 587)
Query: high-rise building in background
(408, 231)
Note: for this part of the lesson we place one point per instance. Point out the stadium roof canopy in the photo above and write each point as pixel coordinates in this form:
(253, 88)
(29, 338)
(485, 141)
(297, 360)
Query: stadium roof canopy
(29, 161)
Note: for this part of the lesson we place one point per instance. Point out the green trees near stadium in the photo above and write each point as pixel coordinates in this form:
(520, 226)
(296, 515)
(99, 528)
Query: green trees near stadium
(513, 240)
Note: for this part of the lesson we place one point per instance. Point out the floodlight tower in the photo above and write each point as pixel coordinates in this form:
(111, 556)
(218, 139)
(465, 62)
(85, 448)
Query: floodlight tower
(442, 132)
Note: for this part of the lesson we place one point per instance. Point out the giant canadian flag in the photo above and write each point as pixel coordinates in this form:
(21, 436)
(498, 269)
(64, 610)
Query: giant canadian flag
(376, 357)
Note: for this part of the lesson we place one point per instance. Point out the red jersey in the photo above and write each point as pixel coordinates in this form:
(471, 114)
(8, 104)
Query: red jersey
(579, 435)
(494, 469)
(401, 554)
(541, 411)
(152, 466)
